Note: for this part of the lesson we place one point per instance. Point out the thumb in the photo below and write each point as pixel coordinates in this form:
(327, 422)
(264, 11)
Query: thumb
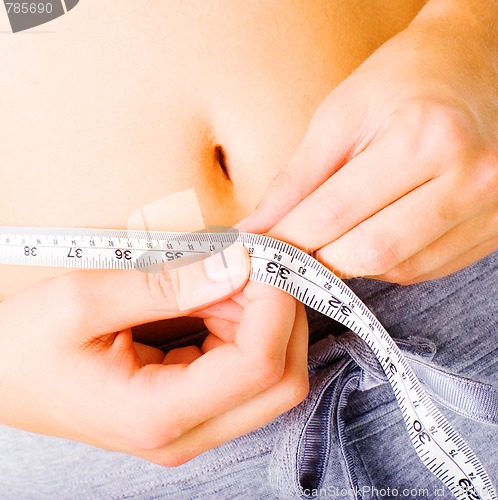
(109, 301)
(203, 281)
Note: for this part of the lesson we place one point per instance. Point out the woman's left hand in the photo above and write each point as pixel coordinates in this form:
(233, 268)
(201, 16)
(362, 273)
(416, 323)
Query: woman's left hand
(397, 175)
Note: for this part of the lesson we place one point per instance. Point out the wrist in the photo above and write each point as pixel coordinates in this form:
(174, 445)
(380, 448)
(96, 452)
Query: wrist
(456, 41)
(475, 19)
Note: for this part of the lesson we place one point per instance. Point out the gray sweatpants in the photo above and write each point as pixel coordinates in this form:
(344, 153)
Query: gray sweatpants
(347, 439)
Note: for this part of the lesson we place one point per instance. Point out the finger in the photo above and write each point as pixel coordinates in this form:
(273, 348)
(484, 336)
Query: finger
(470, 257)
(458, 248)
(182, 355)
(222, 321)
(148, 354)
(212, 341)
(258, 411)
(181, 397)
(397, 232)
(228, 310)
(106, 301)
(221, 331)
(326, 146)
(364, 186)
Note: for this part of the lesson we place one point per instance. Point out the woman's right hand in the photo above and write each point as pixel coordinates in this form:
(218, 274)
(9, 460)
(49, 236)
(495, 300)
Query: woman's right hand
(69, 366)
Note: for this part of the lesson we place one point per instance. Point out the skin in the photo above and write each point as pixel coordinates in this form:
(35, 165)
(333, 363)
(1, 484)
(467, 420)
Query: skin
(158, 91)
(83, 377)
(397, 175)
(86, 108)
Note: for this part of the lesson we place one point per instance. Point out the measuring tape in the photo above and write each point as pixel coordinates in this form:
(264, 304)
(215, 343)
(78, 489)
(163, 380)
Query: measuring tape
(281, 265)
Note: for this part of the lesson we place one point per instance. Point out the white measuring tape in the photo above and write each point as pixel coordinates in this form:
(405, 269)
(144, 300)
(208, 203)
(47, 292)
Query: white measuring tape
(281, 265)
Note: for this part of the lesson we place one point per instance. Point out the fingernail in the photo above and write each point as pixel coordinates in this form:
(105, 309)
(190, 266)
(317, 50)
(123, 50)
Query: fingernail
(228, 264)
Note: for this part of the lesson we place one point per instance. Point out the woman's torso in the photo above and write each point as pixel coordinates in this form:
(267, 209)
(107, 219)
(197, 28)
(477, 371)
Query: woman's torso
(119, 104)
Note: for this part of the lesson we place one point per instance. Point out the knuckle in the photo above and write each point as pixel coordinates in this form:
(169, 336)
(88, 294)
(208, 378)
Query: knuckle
(484, 180)
(160, 287)
(297, 391)
(379, 256)
(440, 129)
(152, 436)
(282, 182)
(171, 459)
(147, 430)
(402, 274)
(335, 108)
(144, 440)
(268, 372)
(329, 216)
(174, 456)
(449, 129)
